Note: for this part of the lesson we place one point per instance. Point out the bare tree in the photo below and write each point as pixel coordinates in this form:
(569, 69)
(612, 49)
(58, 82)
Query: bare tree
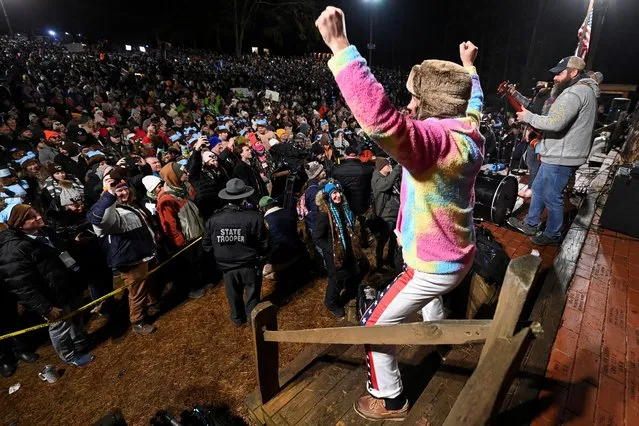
(245, 11)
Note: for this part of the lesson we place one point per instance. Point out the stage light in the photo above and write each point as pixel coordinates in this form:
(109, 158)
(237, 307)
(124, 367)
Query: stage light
(127, 46)
(142, 49)
(66, 33)
(52, 33)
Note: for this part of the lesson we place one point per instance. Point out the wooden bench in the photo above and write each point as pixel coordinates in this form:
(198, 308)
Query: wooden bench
(320, 386)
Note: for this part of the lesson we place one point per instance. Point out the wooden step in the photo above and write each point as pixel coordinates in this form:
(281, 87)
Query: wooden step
(324, 393)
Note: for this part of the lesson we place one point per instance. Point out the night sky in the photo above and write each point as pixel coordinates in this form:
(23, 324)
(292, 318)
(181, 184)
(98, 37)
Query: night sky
(406, 31)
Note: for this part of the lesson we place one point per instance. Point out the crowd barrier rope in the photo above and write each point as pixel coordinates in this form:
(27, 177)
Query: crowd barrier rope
(98, 300)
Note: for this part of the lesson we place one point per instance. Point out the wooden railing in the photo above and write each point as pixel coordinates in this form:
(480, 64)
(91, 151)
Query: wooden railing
(485, 389)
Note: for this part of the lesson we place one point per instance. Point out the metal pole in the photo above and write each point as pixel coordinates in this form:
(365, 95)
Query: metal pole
(370, 43)
(7, 18)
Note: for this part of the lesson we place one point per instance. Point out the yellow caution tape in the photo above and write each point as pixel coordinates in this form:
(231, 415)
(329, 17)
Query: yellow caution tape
(96, 301)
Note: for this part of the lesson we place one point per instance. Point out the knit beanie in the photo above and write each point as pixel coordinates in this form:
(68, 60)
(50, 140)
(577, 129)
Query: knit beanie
(313, 169)
(380, 162)
(69, 194)
(443, 88)
(178, 169)
(18, 215)
(54, 168)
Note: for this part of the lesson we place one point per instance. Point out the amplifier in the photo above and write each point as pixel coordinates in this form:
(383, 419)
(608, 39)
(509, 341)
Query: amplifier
(621, 212)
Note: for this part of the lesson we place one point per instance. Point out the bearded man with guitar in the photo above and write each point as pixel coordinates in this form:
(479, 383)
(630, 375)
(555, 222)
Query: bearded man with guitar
(540, 103)
(565, 146)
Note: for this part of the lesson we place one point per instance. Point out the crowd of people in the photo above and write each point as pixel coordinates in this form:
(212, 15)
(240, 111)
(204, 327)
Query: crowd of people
(113, 162)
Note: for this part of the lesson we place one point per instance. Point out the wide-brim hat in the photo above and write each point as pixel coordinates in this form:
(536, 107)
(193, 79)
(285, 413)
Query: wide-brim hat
(235, 189)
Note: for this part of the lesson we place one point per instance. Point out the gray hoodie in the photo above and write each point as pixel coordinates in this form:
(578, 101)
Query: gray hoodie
(569, 124)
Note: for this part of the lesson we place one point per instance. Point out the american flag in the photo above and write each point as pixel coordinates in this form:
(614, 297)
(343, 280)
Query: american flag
(583, 35)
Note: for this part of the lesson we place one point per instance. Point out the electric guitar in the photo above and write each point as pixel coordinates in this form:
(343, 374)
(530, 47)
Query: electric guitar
(533, 135)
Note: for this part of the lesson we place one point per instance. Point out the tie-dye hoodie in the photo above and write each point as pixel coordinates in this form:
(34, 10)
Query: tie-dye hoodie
(440, 157)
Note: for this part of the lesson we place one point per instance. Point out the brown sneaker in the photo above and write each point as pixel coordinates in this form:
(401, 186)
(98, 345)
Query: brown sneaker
(374, 409)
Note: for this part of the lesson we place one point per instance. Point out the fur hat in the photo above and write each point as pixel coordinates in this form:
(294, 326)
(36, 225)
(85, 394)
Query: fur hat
(442, 87)
(69, 194)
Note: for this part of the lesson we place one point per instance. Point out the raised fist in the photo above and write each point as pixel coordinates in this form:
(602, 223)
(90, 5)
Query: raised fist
(332, 26)
(468, 53)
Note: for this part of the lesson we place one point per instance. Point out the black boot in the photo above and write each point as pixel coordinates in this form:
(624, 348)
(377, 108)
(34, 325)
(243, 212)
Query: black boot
(8, 370)
(26, 356)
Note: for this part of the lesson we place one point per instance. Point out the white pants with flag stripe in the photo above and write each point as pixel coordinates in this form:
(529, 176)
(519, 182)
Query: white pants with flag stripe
(409, 292)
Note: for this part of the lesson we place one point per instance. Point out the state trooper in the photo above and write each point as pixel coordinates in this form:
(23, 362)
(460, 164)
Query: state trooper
(237, 240)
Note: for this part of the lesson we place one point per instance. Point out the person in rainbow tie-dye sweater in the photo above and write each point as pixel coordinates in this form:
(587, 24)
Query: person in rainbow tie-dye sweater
(441, 151)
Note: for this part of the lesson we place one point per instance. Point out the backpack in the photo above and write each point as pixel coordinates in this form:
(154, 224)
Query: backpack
(300, 206)
(491, 260)
(191, 222)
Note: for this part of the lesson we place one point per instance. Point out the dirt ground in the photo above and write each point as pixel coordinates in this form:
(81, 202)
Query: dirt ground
(196, 356)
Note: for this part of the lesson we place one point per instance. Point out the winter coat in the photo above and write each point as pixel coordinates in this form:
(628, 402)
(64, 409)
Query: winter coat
(386, 200)
(235, 237)
(283, 239)
(312, 188)
(47, 154)
(34, 273)
(207, 182)
(251, 178)
(125, 231)
(355, 178)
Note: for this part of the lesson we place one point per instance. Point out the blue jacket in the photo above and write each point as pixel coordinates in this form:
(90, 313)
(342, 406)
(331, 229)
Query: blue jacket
(125, 231)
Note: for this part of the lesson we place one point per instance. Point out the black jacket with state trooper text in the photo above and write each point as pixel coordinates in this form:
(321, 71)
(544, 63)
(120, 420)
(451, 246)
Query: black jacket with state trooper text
(235, 237)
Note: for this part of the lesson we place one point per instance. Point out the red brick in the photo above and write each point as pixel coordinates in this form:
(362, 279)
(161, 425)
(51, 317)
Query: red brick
(596, 300)
(616, 313)
(632, 415)
(633, 297)
(579, 283)
(586, 367)
(572, 319)
(566, 341)
(613, 364)
(592, 240)
(622, 247)
(619, 284)
(632, 378)
(560, 367)
(590, 338)
(632, 336)
(541, 421)
(590, 249)
(620, 271)
(586, 259)
(601, 271)
(606, 240)
(610, 404)
(582, 399)
(633, 316)
(553, 413)
(577, 299)
(583, 272)
(598, 285)
(604, 256)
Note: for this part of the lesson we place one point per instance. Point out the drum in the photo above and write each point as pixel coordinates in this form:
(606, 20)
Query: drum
(495, 197)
